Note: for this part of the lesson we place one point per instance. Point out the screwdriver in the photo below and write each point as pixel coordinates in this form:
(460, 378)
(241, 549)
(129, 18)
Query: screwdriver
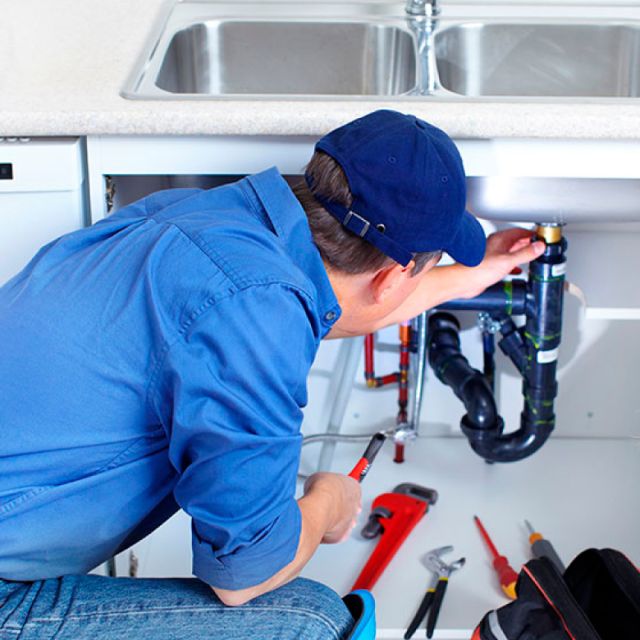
(543, 548)
(507, 576)
(364, 464)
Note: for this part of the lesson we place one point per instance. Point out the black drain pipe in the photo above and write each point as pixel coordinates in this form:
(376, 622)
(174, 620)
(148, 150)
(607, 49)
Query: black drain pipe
(533, 349)
(454, 370)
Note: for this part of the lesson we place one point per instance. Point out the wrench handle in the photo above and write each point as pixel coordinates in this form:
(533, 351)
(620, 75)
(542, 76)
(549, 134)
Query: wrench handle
(437, 603)
(421, 613)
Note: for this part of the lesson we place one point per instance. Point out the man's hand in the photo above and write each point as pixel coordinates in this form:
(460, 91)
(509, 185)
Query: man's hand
(505, 251)
(329, 508)
(344, 496)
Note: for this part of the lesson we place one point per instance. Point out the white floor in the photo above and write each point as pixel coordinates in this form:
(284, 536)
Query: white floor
(578, 493)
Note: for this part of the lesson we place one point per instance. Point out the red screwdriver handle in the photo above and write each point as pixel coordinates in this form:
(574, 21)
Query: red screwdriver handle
(360, 470)
(506, 575)
(362, 466)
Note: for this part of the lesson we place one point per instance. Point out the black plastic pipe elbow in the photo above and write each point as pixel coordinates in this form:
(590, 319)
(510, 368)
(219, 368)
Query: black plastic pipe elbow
(482, 425)
(454, 370)
(495, 446)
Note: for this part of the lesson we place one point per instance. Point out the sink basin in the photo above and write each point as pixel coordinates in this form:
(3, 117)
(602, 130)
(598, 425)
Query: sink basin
(205, 50)
(276, 57)
(563, 60)
(218, 50)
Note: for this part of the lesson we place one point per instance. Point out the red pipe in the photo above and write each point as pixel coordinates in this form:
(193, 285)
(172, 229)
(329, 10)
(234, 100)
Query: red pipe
(403, 387)
(399, 455)
(401, 377)
(369, 374)
(369, 370)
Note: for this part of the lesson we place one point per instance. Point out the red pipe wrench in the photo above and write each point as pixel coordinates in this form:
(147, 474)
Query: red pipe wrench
(394, 515)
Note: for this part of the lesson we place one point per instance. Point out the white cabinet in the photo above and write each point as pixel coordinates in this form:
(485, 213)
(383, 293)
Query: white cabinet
(156, 162)
(580, 489)
(41, 196)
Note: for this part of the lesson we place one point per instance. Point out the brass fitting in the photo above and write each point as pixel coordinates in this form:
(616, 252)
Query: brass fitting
(550, 233)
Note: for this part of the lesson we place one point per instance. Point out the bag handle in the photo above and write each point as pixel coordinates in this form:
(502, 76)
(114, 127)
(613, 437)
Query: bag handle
(554, 590)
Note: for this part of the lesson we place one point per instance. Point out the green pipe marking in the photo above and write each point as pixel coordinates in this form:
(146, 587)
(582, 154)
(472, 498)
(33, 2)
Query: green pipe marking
(537, 278)
(508, 290)
(538, 340)
(529, 400)
(533, 410)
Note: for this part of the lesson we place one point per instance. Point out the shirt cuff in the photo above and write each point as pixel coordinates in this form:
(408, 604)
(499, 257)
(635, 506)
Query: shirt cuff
(253, 563)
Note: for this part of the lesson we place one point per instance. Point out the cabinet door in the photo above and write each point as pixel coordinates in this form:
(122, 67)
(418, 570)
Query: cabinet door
(41, 197)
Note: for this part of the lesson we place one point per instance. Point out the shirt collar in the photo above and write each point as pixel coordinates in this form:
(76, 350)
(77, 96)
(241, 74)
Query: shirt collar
(289, 220)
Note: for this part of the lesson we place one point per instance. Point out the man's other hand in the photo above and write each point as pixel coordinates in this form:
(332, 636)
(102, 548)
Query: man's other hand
(505, 251)
(343, 497)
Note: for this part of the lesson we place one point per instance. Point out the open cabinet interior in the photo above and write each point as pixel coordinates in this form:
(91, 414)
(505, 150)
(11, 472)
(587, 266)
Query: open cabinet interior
(579, 490)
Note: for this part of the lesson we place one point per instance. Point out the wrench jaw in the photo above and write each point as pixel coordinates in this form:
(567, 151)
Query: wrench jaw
(374, 526)
(430, 496)
(375, 523)
(457, 564)
(433, 561)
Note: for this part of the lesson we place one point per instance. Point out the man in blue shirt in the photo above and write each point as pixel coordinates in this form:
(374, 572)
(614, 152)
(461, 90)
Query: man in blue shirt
(158, 360)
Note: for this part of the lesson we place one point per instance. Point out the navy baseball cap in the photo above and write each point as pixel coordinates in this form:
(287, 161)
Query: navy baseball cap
(408, 186)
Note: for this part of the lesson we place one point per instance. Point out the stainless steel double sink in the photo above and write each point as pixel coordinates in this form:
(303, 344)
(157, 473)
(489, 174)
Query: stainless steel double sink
(205, 50)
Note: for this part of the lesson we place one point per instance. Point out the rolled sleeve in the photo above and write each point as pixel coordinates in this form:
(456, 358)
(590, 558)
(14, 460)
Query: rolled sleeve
(238, 385)
(250, 564)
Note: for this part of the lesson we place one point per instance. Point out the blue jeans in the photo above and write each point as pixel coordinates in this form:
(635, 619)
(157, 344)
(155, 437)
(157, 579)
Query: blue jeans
(79, 607)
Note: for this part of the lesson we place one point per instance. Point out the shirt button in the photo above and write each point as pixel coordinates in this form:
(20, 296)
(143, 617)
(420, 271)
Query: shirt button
(329, 316)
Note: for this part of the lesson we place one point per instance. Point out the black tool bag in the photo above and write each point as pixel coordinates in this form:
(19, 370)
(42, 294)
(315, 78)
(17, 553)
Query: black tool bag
(598, 598)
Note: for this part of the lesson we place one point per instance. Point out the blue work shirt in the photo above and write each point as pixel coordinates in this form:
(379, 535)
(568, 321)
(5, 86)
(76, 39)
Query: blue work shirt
(158, 360)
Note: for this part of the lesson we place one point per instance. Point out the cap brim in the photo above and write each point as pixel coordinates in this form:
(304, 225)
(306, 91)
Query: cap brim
(468, 245)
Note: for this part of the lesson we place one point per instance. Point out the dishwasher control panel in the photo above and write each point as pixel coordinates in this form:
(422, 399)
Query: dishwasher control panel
(6, 171)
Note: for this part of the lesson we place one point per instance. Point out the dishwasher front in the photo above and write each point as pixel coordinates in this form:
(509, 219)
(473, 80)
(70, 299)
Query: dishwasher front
(42, 196)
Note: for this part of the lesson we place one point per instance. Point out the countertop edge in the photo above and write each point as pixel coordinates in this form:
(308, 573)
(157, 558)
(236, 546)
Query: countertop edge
(255, 118)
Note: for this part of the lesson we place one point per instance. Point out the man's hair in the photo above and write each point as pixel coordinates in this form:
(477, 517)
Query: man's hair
(340, 248)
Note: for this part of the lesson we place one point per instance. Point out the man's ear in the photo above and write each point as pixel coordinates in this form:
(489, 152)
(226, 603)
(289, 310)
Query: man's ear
(388, 279)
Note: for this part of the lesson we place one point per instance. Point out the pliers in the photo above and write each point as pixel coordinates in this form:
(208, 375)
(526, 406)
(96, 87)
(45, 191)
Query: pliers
(432, 600)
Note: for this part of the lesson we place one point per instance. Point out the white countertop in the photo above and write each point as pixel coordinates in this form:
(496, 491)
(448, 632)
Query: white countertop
(63, 64)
